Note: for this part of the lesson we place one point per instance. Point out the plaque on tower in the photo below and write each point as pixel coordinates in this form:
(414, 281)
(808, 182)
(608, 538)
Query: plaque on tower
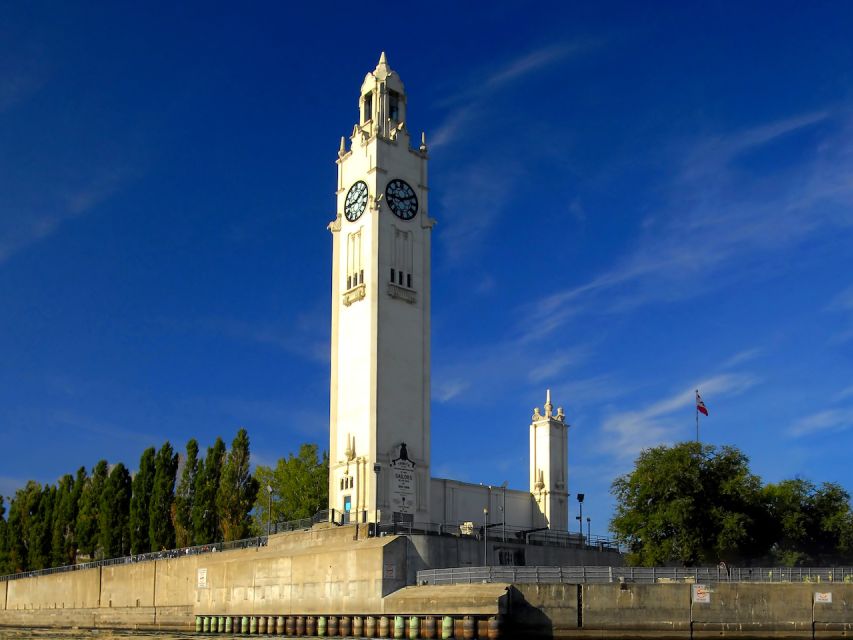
(403, 485)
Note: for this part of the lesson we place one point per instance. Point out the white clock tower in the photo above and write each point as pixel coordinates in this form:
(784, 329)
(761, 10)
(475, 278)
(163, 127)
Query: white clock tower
(379, 422)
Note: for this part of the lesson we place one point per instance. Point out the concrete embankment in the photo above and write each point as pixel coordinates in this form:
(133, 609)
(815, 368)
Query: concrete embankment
(737, 610)
(337, 579)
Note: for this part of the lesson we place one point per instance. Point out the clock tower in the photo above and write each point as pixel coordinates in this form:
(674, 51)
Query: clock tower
(379, 422)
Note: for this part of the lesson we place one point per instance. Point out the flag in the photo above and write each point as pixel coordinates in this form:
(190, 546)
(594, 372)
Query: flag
(700, 406)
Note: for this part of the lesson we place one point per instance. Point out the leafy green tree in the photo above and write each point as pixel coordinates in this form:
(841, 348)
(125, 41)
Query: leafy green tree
(4, 543)
(204, 514)
(185, 497)
(160, 527)
(63, 523)
(140, 502)
(300, 486)
(689, 504)
(237, 490)
(813, 525)
(41, 530)
(114, 515)
(22, 529)
(88, 526)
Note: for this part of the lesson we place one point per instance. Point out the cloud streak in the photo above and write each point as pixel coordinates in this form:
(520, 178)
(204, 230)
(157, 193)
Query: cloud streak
(629, 432)
(718, 230)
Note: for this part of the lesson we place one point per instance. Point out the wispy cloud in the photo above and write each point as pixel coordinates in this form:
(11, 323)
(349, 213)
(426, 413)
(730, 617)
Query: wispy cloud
(478, 89)
(25, 226)
(304, 336)
(828, 420)
(717, 222)
(23, 71)
(628, 432)
(477, 195)
(843, 303)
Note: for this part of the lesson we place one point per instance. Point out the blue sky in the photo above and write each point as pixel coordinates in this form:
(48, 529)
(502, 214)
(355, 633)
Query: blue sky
(633, 200)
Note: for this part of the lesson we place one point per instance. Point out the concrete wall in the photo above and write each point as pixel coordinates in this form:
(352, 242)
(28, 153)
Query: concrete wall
(665, 611)
(76, 589)
(454, 502)
(436, 552)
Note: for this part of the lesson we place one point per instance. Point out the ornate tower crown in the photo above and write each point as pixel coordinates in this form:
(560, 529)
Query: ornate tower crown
(383, 102)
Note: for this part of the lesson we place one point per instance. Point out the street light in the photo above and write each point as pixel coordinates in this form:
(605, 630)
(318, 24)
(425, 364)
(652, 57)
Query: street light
(376, 468)
(485, 536)
(588, 536)
(580, 517)
(269, 510)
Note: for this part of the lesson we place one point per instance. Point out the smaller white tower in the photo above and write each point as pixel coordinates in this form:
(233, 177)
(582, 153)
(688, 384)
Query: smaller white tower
(549, 469)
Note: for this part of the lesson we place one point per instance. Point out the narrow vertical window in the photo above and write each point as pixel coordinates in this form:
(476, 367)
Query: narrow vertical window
(392, 274)
(393, 105)
(368, 108)
(361, 277)
(409, 280)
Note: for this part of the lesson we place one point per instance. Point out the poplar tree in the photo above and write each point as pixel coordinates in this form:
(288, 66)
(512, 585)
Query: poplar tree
(204, 511)
(63, 523)
(185, 497)
(143, 485)
(87, 528)
(161, 530)
(17, 550)
(237, 490)
(114, 516)
(4, 544)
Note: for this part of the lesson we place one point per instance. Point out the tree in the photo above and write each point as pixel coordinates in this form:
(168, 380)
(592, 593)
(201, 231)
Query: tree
(237, 490)
(204, 514)
(64, 516)
(88, 525)
(22, 529)
(4, 543)
(114, 515)
(185, 497)
(689, 504)
(813, 525)
(300, 486)
(140, 502)
(161, 530)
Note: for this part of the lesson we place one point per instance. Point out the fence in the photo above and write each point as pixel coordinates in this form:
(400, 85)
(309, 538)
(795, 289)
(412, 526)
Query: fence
(649, 575)
(258, 541)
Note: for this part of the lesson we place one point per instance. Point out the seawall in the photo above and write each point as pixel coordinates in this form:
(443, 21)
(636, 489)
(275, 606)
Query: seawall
(339, 572)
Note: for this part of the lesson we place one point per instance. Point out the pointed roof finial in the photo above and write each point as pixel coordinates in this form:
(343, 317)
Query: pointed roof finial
(547, 396)
(383, 59)
(423, 141)
(343, 150)
(549, 408)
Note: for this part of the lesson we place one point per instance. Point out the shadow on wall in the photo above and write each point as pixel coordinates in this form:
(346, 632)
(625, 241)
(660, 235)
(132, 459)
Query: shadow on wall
(525, 620)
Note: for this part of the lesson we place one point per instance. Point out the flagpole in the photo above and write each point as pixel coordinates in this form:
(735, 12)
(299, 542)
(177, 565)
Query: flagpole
(697, 415)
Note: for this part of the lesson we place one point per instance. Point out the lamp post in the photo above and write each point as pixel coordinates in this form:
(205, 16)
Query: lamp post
(486, 536)
(588, 536)
(376, 468)
(269, 510)
(503, 532)
(580, 517)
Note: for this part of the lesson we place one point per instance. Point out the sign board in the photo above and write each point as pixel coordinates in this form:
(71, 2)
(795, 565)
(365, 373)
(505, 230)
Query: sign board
(823, 598)
(701, 594)
(389, 571)
(403, 486)
(202, 578)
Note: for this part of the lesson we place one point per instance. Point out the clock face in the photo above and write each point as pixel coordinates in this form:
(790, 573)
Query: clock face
(356, 201)
(402, 199)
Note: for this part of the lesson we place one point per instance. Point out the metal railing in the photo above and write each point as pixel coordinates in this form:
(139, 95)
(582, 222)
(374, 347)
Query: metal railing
(645, 575)
(258, 541)
(499, 533)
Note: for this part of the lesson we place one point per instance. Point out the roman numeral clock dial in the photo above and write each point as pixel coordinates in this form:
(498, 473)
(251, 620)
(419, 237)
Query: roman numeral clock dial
(356, 201)
(402, 199)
